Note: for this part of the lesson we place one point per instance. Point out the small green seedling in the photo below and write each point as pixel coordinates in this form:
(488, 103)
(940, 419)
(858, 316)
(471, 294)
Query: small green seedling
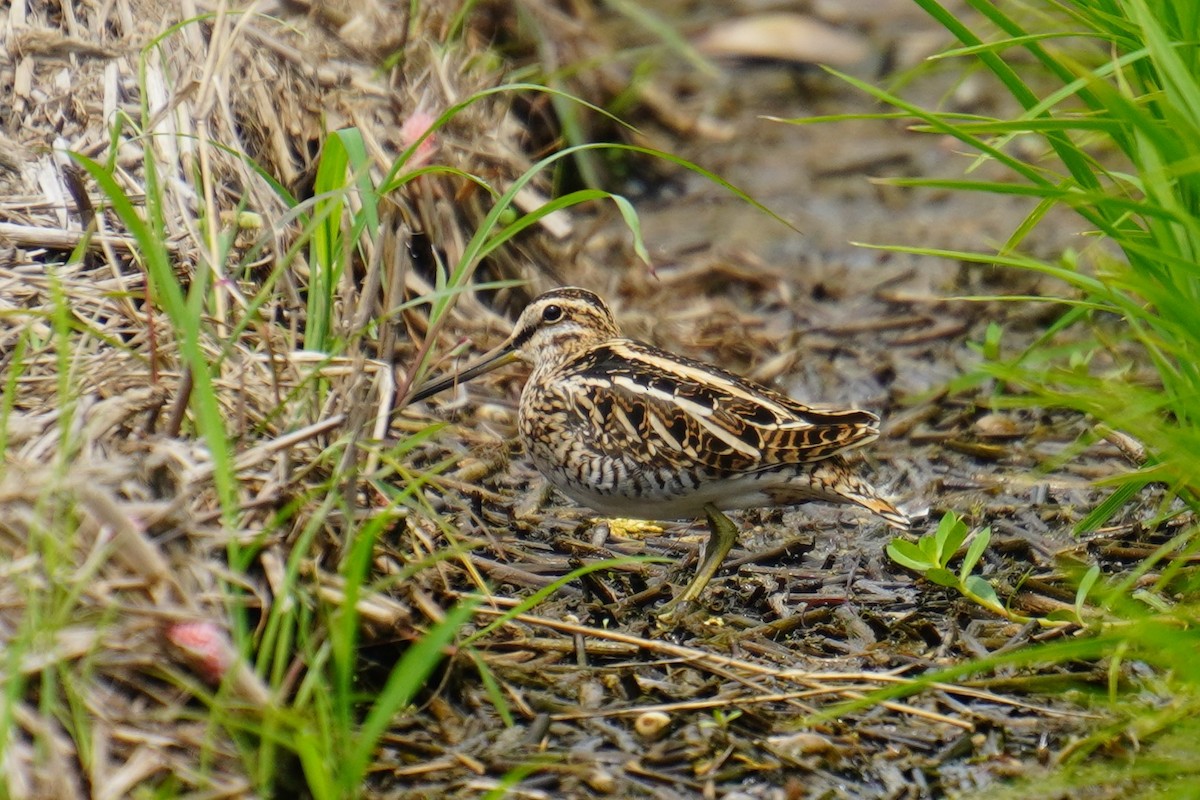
(931, 555)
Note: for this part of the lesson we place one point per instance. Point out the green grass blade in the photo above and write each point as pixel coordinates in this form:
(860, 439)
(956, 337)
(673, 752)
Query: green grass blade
(406, 679)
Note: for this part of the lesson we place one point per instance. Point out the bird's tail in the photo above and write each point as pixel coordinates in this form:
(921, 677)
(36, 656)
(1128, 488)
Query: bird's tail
(834, 480)
(882, 508)
(839, 483)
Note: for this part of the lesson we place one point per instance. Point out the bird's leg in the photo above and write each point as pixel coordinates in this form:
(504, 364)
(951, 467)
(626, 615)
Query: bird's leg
(722, 536)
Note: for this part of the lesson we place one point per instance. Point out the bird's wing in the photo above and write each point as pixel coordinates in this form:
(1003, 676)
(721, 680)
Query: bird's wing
(641, 397)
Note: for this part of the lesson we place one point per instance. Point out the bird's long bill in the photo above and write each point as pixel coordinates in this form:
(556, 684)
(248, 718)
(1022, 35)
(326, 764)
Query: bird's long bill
(504, 354)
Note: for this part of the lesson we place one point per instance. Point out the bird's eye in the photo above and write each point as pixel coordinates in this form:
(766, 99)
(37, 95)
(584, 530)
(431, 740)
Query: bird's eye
(552, 314)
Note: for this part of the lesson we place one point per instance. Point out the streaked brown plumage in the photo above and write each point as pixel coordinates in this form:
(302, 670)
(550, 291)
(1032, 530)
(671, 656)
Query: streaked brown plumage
(631, 430)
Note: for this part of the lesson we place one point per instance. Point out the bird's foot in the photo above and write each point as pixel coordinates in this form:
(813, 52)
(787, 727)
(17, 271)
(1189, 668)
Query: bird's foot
(671, 612)
(722, 535)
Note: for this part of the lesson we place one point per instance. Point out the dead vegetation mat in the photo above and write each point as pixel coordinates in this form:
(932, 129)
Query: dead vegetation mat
(808, 613)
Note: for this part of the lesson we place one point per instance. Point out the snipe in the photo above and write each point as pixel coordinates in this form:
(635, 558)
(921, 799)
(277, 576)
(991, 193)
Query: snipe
(630, 430)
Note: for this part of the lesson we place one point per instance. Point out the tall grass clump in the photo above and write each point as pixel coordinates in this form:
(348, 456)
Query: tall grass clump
(1111, 88)
(1120, 125)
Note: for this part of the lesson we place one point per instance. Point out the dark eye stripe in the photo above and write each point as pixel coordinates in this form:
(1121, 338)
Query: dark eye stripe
(523, 337)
